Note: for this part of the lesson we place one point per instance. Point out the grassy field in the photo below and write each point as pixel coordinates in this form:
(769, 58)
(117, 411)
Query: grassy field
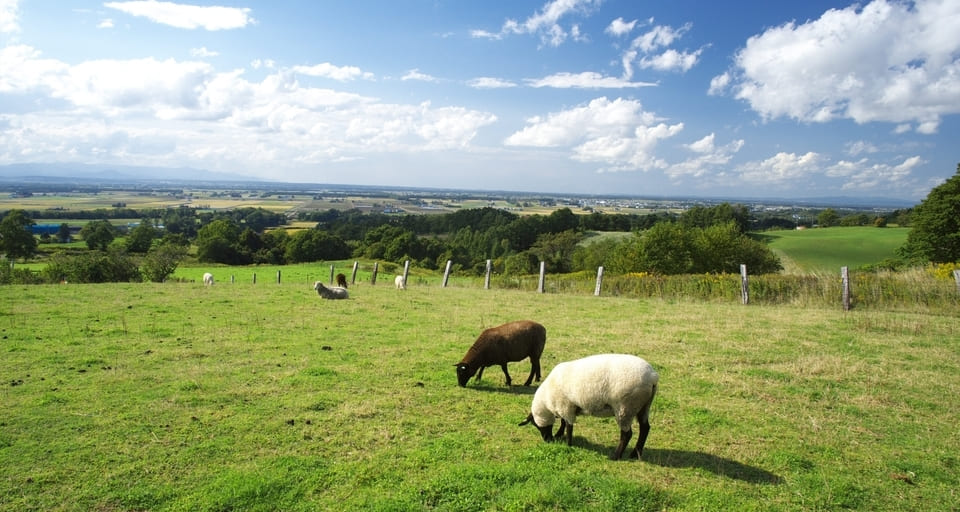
(828, 249)
(263, 397)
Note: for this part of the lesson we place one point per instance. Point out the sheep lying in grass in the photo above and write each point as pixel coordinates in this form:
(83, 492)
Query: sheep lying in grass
(341, 280)
(208, 279)
(330, 293)
(514, 341)
(601, 385)
(399, 282)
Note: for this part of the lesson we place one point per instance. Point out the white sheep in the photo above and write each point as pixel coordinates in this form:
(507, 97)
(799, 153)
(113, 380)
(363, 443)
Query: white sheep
(333, 292)
(399, 282)
(617, 385)
(208, 279)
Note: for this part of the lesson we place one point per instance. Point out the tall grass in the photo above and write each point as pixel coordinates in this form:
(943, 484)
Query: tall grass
(264, 397)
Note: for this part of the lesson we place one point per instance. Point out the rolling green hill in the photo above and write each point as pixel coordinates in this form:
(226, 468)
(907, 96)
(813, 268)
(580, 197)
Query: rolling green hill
(828, 249)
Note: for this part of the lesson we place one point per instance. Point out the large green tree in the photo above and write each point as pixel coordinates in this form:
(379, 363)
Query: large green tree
(98, 234)
(935, 235)
(16, 239)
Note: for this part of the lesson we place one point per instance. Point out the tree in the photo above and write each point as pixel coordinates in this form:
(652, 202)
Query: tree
(98, 234)
(141, 237)
(162, 261)
(16, 239)
(935, 235)
(827, 218)
(218, 242)
(63, 233)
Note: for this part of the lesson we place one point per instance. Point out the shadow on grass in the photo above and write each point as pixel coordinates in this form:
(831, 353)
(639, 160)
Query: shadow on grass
(686, 459)
(503, 388)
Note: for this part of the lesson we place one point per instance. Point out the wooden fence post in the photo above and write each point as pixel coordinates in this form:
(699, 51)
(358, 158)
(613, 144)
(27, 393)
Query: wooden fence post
(486, 280)
(278, 277)
(543, 269)
(446, 274)
(376, 267)
(406, 271)
(331, 274)
(231, 278)
(353, 277)
(596, 291)
(845, 279)
(254, 278)
(744, 285)
(956, 277)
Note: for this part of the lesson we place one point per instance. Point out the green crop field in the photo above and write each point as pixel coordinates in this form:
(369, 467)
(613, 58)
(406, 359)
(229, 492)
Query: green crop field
(828, 249)
(242, 396)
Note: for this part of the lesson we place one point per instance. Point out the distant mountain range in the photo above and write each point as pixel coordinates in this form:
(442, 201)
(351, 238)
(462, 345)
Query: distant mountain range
(118, 175)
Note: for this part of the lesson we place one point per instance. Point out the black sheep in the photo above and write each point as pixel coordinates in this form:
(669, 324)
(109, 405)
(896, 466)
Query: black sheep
(514, 341)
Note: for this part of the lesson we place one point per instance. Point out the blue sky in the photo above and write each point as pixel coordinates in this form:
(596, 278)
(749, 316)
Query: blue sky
(713, 99)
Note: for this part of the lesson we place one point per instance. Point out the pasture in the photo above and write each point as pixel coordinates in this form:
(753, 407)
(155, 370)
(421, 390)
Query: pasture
(264, 397)
(827, 249)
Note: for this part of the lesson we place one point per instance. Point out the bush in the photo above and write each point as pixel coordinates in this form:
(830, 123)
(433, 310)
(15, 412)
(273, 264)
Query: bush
(112, 266)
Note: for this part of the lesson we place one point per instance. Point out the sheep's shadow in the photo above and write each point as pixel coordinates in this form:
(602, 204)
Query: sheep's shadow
(503, 388)
(687, 459)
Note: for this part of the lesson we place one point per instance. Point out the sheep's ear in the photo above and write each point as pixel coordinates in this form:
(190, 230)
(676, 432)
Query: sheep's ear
(528, 421)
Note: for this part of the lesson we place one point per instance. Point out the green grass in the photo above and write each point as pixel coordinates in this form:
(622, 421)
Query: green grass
(264, 397)
(828, 249)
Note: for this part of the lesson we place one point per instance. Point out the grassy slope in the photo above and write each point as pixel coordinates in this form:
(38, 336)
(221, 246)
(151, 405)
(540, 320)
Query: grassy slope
(828, 249)
(179, 397)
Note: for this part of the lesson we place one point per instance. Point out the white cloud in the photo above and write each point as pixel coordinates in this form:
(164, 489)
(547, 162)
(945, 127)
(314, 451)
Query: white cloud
(707, 157)
(659, 37)
(585, 80)
(415, 74)
(545, 22)
(203, 52)
(862, 175)
(618, 27)
(618, 134)
(486, 82)
(8, 17)
(671, 60)
(186, 16)
(105, 23)
(653, 51)
(719, 84)
(781, 168)
(166, 112)
(886, 61)
(860, 146)
(339, 73)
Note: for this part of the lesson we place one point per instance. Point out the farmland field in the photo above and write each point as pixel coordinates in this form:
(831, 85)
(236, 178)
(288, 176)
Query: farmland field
(263, 397)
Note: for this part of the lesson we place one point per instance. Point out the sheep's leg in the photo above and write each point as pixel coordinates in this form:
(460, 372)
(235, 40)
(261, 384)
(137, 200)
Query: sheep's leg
(565, 427)
(534, 370)
(644, 419)
(625, 436)
(504, 367)
(479, 373)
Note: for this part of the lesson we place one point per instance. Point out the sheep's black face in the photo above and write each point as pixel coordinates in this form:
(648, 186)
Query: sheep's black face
(545, 432)
(464, 373)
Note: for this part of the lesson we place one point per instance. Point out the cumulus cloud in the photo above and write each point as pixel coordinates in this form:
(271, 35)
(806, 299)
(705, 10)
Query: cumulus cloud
(486, 82)
(585, 80)
(203, 52)
(618, 27)
(186, 16)
(545, 23)
(618, 134)
(707, 157)
(415, 74)
(651, 50)
(8, 17)
(886, 61)
(339, 73)
(781, 168)
(105, 23)
(157, 112)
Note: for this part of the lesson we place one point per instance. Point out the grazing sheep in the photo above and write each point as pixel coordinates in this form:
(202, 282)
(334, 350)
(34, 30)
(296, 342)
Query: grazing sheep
(601, 385)
(514, 341)
(341, 280)
(208, 279)
(330, 293)
(401, 285)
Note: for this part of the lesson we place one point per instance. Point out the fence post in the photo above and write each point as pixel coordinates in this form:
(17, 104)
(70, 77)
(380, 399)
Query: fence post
(231, 278)
(543, 269)
(376, 267)
(446, 274)
(353, 277)
(254, 278)
(278, 277)
(744, 285)
(956, 277)
(596, 291)
(486, 280)
(406, 270)
(331, 274)
(845, 279)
